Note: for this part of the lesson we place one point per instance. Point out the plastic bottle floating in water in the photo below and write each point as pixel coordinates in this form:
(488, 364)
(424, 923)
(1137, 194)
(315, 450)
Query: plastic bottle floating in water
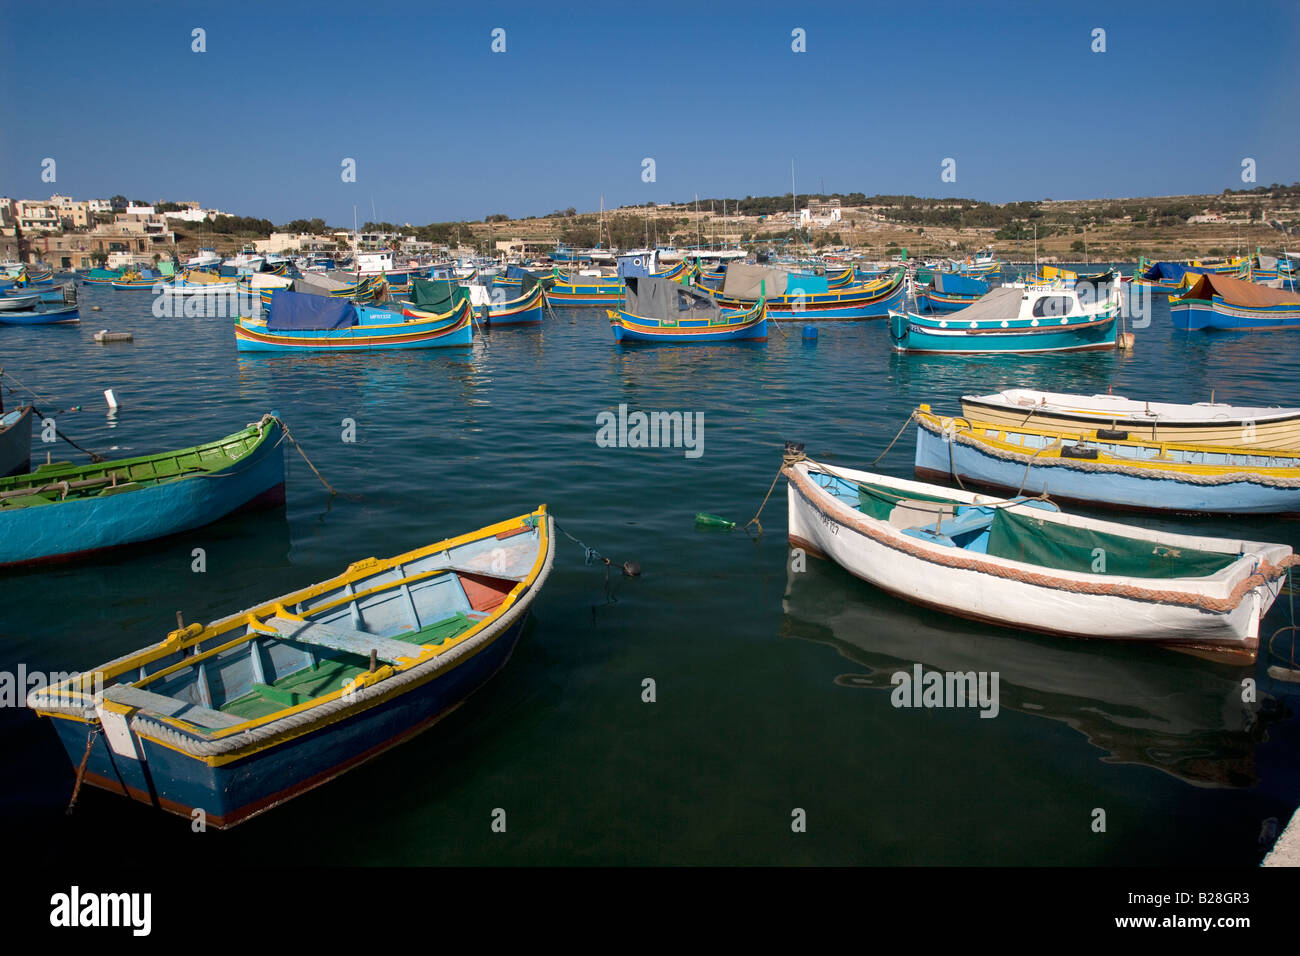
(705, 520)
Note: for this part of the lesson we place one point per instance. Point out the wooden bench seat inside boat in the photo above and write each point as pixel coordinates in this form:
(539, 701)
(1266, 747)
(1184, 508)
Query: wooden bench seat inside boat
(169, 707)
(339, 637)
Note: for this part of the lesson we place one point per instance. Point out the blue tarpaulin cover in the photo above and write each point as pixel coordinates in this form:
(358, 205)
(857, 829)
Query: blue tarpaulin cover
(518, 272)
(953, 284)
(299, 311)
(1172, 271)
(806, 283)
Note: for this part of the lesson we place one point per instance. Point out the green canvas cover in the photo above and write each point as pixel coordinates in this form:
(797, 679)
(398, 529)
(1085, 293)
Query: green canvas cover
(877, 501)
(437, 295)
(1028, 538)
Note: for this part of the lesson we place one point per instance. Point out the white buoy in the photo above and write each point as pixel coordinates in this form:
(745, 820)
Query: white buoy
(111, 399)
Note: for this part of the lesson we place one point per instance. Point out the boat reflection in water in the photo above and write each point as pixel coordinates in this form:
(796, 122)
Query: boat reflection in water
(1141, 705)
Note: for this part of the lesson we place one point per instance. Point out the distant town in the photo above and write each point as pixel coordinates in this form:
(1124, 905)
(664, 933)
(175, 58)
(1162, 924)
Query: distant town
(78, 235)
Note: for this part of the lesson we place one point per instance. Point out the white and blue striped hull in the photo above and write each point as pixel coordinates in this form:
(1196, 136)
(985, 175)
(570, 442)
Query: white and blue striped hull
(940, 459)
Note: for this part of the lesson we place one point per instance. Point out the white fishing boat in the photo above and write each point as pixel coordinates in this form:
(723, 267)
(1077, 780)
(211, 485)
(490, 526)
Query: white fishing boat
(1023, 563)
(206, 259)
(1202, 423)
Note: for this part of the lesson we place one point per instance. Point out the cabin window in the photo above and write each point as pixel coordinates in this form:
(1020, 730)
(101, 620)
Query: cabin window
(1052, 305)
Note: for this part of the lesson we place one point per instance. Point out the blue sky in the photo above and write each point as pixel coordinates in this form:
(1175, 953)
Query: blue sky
(442, 128)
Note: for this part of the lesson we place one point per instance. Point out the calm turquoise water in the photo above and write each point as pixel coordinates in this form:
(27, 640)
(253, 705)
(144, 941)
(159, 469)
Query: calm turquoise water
(769, 683)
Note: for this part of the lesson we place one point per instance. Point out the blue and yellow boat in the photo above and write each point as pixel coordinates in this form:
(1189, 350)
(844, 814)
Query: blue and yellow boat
(660, 310)
(1107, 468)
(810, 298)
(238, 716)
(1222, 302)
(1012, 319)
(301, 322)
(949, 292)
(62, 511)
(1170, 278)
(578, 291)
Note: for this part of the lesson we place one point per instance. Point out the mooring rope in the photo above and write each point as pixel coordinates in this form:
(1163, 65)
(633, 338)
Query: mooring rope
(293, 441)
(906, 421)
(96, 458)
(793, 454)
(92, 731)
(630, 569)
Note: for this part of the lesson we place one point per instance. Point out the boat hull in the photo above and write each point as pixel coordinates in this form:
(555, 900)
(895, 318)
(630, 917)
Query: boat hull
(78, 527)
(1200, 315)
(16, 445)
(252, 336)
(910, 332)
(1280, 433)
(524, 310)
(943, 459)
(64, 316)
(842, 535)
(231, 792)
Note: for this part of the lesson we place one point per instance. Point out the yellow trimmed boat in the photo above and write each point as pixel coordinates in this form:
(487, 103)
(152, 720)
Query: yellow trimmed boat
(240, 715)
(1110, 468)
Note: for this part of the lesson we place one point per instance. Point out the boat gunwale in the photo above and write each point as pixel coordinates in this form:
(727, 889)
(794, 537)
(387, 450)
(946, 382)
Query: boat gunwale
(378, 681)
(59, 473)
(1225, 578)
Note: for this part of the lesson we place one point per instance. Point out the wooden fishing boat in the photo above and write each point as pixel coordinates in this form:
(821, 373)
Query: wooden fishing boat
(799, 298)
(240, 715)
(22, 301)
(33, 275)
(1023, 563)
(102, 276)
(65, 294)
(526, 309)
(1204, 423)
(62, 511)
(42, 313)
(138, 279)
(950, 292)
(1047, 275)
(300, 322)
(578, 291)
(1107, 468)
(443, 295)
(1014, 319)
(198, 282)
(15, 441)
(659, 310)
(1222, 302)
(1168, 278)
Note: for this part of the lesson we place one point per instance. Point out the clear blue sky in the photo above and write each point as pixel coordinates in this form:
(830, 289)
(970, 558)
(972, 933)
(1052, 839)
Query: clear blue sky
(442, 128)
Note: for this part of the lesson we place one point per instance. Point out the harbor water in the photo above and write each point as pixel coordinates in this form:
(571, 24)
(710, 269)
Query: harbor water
(770, 685)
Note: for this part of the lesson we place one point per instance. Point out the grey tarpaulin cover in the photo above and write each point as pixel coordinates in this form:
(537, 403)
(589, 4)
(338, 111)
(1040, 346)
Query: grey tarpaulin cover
(746, 282)
(317, 284)
(1001, 303)
(665, 299)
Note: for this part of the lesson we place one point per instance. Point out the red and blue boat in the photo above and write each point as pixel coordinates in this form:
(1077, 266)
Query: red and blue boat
(240, 715)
